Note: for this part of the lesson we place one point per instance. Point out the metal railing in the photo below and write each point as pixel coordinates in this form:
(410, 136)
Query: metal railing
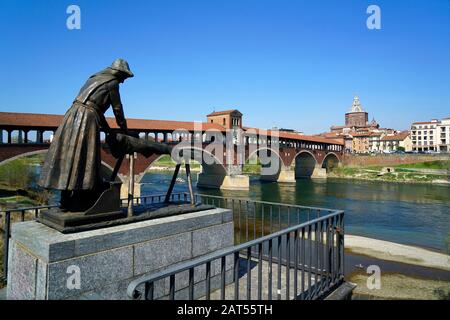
(5, 229)
(298, 252)
(301, 249)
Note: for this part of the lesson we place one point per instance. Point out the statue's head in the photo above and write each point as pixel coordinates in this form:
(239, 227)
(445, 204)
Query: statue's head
(122, 68)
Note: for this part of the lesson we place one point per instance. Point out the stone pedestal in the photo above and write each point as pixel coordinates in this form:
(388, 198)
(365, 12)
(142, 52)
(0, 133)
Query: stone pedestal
(46, 264)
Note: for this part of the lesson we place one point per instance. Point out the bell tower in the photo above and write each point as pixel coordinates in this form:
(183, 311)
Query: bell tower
(356, 117)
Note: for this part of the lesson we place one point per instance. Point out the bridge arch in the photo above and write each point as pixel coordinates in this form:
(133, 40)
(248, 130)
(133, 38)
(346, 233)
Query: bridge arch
(305, 163)
(270, 171)
(22, 155)
(105, 169)
(330, 161)
(216, 168)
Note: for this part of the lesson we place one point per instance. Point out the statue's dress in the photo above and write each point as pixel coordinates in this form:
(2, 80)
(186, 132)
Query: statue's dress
(73, 159)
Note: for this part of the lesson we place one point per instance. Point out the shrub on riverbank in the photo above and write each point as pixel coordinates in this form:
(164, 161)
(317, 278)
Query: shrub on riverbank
(401, 173)
(16, 174)
(166, 162)
(441, 165)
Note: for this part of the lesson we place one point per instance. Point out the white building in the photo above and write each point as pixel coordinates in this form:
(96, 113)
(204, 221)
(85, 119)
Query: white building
(444, 135)
(395, 142)
(433, 135)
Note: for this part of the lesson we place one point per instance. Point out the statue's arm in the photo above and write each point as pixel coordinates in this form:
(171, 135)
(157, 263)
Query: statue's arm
(116, 104)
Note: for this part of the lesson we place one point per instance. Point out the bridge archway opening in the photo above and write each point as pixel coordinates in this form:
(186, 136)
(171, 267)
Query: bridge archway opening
(305, 162)
(196, 156)
(3, 136)
(264, 162)
(330, 162)
(47, 136)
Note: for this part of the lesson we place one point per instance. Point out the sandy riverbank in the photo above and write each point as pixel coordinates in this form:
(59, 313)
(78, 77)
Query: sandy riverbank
(391, 251)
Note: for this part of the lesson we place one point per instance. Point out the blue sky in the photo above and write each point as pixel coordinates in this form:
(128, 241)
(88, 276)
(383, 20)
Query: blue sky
(294, 64)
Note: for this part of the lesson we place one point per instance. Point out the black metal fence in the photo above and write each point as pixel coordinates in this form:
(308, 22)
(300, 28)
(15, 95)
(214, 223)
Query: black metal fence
(281, 251)
(297, 251)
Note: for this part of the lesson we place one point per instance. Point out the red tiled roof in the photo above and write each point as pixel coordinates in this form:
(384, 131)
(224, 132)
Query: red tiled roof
(218, 113)
(366, 134)
(30, 119)
(294, 136)
(398, 137)
(53, 121)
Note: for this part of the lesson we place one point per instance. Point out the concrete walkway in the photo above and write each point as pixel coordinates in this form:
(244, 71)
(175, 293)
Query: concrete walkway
(279, 289)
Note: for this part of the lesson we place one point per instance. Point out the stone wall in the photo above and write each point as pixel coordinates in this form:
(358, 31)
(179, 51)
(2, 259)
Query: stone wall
(390, 159)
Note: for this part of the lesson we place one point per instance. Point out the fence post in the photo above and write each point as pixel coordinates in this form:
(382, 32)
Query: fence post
(6, 243)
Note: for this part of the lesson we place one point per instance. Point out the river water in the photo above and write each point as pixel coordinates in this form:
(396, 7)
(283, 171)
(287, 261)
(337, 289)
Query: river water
(415, 214)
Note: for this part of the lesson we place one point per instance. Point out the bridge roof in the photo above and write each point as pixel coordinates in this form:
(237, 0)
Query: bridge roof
(35, 120)
(49, 121)
(294, 136)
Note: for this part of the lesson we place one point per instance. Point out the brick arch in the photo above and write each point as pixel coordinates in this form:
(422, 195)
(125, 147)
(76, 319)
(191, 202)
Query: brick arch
(105, 169)
(304, 165)
(196, 154)
(328, 155)
(214, 165)
(10, 152)
(14, 156)
(274, 175)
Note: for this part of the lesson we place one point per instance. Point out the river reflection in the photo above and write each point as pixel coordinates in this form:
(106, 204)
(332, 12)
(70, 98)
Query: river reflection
(405, 213)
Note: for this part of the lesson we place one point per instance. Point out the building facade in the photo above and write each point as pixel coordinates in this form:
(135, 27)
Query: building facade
(229, 119)
(358, 134)
(395, 142)
(356, 117)
(432, 135)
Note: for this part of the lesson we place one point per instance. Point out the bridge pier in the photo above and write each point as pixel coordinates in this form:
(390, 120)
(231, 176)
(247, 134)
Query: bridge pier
(285, 175)
(319, 172)
(224, 182)
(125, 186)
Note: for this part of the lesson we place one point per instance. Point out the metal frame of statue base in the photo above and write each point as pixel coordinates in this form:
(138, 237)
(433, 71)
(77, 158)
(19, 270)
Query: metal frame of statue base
(72, 222)
(46, 264)
(65, 221)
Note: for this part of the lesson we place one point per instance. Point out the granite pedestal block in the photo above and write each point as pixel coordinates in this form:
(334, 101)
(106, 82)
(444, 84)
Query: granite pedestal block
(46, 264)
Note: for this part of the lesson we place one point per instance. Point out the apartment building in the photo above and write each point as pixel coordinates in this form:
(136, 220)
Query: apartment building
(443, 132)
(433, 135)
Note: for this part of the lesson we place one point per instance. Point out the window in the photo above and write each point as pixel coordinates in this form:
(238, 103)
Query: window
(224, 121)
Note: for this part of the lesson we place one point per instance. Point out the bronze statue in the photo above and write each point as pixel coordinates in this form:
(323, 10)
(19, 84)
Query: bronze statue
(72, 164)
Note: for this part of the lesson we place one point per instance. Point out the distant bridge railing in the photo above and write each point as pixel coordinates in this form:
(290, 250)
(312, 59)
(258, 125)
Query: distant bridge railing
(298, 252)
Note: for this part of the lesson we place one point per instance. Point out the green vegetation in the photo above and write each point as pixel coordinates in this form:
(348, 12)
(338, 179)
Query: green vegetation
(16, 174)
(18, 183)
(252, 169)
(166, 162)
(440, 164)
(402, 173)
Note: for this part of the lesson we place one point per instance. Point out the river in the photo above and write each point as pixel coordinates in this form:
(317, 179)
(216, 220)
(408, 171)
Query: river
(414, 214)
